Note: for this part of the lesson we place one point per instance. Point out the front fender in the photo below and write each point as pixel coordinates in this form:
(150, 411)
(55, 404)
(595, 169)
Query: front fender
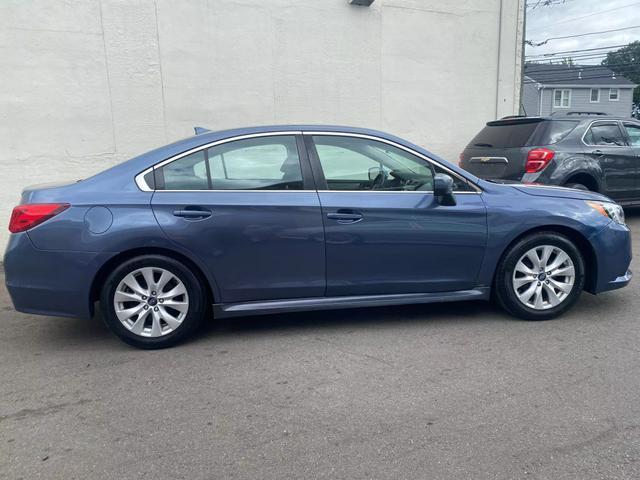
(542, 213)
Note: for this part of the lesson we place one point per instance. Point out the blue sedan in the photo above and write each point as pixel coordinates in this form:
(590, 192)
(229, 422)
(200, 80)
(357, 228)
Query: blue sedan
(288, 218)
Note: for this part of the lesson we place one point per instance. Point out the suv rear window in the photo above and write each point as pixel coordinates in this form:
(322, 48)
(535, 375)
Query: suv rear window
(523, 133)
(505, 135)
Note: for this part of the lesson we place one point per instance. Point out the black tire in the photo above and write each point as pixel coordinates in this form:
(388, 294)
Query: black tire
(197, 301)
(503, 284)
(577, 186)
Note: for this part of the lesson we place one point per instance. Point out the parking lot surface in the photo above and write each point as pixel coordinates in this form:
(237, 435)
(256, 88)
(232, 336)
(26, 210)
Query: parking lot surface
(434, 391)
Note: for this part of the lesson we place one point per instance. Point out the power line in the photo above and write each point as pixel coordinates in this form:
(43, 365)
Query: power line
(572, 80)
(576, 51)
(534, 44)
(574, 68)
(584, 16)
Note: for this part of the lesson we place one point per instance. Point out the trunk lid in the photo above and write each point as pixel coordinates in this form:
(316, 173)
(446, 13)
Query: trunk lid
(39, 192)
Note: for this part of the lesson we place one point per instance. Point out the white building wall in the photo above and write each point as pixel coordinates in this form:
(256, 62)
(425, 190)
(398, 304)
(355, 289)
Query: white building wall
(89, 83)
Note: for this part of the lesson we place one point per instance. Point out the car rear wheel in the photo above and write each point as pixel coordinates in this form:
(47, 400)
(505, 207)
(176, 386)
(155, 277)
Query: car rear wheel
(152, 301)
(540, 277)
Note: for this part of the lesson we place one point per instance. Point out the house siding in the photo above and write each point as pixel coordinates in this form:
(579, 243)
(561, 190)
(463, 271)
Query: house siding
(580, 100)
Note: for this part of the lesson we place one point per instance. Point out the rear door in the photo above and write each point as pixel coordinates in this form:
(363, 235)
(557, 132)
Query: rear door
(248, 209)
(607, 145)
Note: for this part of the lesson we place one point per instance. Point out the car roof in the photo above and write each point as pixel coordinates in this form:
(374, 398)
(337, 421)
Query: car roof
(204, 137)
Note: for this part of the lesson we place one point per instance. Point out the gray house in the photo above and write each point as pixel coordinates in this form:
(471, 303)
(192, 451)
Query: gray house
(557, 88)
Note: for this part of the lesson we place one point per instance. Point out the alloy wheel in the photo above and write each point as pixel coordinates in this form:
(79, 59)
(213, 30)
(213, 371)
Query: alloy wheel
(543, 277)
(151, 302)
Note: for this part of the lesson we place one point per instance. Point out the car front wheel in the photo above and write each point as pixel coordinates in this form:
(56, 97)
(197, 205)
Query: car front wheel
(540, 277)
(152, 301)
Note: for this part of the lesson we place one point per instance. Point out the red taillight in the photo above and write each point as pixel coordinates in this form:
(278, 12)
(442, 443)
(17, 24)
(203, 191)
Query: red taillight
(460, 159)
(25, 217)
(537, 159)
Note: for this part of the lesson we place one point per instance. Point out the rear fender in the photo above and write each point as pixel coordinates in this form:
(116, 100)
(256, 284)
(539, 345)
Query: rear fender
(575, 165)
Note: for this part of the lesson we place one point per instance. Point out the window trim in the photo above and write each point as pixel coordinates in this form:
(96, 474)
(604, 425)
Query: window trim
(304, 154)
(142, 185)
(591, 100)
(607, 146)
(561, 96)
(617, 99)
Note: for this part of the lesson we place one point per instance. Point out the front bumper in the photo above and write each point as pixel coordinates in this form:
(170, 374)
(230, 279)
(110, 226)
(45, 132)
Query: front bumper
(49, 282)
(612, 246)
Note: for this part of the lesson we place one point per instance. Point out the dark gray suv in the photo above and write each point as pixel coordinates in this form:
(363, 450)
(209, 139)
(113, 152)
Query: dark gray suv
(588, 151)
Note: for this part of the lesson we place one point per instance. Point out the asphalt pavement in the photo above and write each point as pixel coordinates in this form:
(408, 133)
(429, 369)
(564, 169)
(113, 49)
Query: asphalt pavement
(449, 391)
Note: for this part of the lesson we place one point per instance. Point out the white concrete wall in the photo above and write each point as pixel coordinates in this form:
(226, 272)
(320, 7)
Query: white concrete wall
(88, 83)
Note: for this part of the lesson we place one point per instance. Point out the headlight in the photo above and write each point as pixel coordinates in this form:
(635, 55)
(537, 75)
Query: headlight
(608, 209)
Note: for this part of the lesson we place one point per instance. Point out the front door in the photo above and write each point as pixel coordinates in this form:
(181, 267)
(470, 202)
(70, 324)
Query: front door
(606, 145)
(249, 211)
(385, 233)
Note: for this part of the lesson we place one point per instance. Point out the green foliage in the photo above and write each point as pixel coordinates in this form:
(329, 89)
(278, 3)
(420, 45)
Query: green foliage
(626, 61)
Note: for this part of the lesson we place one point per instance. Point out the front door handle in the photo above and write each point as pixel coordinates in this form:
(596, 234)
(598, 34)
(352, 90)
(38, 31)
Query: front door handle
(193, 214)
(598, 153)
(345, 216)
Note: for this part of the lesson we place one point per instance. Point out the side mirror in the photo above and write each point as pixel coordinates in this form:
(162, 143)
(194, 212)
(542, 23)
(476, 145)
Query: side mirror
(374, 172)
(443, 190)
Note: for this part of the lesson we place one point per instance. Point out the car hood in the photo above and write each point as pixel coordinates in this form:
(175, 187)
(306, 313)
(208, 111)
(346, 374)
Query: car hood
(552, 191)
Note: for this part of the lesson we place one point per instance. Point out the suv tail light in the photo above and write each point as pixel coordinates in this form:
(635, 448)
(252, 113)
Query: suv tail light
(537, 159)
(460, 159)
(25, 217)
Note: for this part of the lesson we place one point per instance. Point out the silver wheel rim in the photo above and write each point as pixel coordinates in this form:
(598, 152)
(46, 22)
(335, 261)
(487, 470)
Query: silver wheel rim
(151, 302)
(543, 277)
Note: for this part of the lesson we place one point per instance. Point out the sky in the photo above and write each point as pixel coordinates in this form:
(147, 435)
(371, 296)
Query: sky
(571, 17)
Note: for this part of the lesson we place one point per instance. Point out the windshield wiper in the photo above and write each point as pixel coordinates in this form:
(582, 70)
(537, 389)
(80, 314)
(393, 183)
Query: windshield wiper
(482, 145)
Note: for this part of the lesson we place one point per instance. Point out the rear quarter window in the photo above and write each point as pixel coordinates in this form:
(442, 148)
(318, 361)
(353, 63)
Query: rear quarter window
(555, 130)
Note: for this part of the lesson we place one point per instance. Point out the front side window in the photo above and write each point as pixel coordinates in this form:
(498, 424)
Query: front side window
(562, 98)
(633, 131)
(604, 134)
(263, 163)
(614, 94)
(351, 163)
(595, 95)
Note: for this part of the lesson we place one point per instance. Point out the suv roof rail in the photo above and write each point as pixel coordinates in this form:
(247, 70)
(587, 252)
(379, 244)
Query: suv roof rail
(578, 113)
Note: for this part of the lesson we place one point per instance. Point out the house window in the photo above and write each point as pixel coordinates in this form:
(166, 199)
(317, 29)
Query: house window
(614, 95)
(562, 98)
(595, 95)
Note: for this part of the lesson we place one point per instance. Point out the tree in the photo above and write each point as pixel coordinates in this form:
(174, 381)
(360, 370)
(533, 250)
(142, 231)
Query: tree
(626, 62)
(568, 61)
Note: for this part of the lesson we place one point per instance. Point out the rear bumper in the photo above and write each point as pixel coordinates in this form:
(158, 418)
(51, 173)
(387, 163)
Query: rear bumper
(46, 282)
(612, 246)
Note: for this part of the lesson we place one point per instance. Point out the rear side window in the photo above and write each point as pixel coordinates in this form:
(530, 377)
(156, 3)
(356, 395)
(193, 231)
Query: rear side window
(506, 135)
(604, 134)
(556, 130)
(264, 163)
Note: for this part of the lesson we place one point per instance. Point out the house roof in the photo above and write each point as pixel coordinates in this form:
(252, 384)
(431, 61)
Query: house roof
(548, 74)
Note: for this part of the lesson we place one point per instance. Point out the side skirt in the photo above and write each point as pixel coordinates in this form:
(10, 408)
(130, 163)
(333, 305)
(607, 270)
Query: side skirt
(222, 310)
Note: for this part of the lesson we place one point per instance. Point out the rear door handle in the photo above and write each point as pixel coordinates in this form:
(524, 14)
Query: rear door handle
(345, 216)
(194, 214)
